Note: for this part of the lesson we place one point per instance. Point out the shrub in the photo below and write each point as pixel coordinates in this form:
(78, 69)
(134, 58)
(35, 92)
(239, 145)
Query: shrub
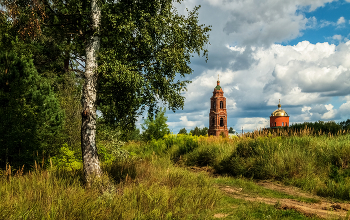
(66, 159)
(203, 156)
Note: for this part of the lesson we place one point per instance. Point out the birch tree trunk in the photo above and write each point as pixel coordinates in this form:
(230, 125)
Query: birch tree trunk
(91, 161)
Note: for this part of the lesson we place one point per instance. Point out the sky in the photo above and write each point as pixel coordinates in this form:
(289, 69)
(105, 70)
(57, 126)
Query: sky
(265, 50)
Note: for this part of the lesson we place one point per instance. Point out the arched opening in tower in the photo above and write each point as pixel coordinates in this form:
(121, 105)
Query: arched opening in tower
(221, 104)
(221, 122)
(212, 121)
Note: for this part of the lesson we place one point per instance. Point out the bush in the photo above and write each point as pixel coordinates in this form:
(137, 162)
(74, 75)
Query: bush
(184, 144)
(203, 156)
(66, 159)
(261, 158)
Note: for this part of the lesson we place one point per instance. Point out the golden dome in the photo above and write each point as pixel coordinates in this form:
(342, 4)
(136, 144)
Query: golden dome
(279, 111)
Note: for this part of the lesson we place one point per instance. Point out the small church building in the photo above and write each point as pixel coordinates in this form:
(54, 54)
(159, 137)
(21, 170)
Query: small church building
(218, 113)
(279, 118)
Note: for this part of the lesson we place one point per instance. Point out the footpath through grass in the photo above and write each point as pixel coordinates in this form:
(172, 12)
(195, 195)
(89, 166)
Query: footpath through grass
(137, 189)
(317, 164)
(154, 182)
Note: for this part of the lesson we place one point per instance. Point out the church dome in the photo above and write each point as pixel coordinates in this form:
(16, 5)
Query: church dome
(218, 87)
(279, 111)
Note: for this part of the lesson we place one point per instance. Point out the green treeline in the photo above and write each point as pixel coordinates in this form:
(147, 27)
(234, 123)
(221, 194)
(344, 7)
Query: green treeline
(322, 127)
(200, 131)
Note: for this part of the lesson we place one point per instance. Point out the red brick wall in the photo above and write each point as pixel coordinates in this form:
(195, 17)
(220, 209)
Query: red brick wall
(278, 120)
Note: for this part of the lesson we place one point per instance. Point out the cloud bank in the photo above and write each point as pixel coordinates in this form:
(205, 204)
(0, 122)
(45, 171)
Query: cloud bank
(257, 68)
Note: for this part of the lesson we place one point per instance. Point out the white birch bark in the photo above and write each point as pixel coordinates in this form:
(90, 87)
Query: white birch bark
(91, 161)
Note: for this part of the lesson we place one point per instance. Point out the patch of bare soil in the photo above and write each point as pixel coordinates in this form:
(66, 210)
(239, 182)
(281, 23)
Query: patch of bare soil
(322, 209)
(208, 170)
(290, 190)
(220, 215)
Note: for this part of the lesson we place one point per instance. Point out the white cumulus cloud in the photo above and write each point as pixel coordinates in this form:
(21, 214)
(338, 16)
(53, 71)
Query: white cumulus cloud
(256, 71)
(301, 75)
(341, 20)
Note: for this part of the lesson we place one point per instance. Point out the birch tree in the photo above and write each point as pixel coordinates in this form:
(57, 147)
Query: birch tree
(91, 161)
(130, 54)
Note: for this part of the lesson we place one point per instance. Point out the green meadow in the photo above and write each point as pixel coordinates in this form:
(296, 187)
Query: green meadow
(157, 179)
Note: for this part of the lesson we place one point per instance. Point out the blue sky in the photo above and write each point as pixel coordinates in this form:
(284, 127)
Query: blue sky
(264, 50)
(329, 15)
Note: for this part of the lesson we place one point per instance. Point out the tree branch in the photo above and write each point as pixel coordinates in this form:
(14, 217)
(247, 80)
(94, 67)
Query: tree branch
(77, 70)
(80, 63)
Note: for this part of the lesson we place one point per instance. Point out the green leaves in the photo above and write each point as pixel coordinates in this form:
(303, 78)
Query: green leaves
(198, 131)
(145, 51)
(30, 114)
(183, 131)
(145, 45)
(155, 128)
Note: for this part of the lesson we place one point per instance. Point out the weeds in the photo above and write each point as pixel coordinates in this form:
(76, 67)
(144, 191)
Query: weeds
(135, 189)
(152, 183)
(314, 162)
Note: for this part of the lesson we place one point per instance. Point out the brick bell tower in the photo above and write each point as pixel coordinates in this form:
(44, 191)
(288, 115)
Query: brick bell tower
(218, 113)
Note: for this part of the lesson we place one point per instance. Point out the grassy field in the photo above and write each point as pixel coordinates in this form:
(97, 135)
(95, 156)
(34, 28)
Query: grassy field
(318, 164)
(157, 179)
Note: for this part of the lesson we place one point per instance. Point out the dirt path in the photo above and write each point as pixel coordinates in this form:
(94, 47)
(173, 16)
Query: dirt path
(290, 190)
(322, 209)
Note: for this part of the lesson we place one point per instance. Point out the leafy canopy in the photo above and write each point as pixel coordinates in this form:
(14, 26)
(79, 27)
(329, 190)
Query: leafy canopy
(199, 131)
(144, 46)
(155, 128)
(183, 131)
(231, 131)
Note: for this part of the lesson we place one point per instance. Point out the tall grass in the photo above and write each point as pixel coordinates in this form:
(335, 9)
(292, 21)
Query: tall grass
(318, 164)
(313, 161)
(137, 189)
(153, 184)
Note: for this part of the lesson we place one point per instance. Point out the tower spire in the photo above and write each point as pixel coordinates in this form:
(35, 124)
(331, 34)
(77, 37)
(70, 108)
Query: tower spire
(279, 104)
